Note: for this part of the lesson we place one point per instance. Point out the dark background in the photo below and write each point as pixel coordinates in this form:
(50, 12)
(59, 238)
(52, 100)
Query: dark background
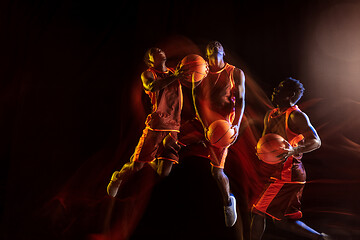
(71, 113)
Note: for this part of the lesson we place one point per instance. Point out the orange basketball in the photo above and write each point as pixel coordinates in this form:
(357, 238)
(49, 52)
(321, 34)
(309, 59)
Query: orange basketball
(269, 147)
(196, 66)
(220, 133)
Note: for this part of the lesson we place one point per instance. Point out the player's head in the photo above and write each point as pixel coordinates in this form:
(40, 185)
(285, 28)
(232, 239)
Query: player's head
(154, 56)
(289, 91)
(214, 48)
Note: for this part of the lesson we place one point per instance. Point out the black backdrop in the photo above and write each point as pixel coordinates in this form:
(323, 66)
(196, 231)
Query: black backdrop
(71, 114)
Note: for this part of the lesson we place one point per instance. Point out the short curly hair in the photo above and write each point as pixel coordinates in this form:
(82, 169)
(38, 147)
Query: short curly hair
(295, 86)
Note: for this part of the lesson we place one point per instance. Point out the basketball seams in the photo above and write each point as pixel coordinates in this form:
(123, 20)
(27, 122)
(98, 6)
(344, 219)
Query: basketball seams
(188, 65)
(196, 64)
(267, 142)
(219, 133)
(200, 63)
(269, 147)
(221, 136)
(278, 150)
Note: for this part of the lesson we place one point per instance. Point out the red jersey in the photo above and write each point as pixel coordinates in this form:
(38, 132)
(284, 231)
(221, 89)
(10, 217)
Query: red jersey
(216, 95)
(292, 169)
(166, 104)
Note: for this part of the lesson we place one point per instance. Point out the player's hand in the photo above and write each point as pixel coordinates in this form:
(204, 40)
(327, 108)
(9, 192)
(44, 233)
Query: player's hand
(235, 135)
(288, 151)
(182, 74)
(178, 70)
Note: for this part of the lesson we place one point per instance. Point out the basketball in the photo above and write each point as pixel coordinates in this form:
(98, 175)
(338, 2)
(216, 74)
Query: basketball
(220, 133)
(196, 66)
(270, 146)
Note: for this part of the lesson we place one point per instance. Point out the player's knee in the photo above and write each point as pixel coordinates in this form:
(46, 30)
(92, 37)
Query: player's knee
(164, 168)
(217, 172)
(163, 173)
(284, 224)
(136, 166)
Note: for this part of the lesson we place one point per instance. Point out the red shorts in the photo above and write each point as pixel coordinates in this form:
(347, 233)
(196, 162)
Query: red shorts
(281, 198)
(192, 135)
(157, 144)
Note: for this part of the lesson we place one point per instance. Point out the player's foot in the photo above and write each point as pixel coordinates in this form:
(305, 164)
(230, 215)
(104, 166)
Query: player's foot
(230, 212)
(114, 184)
(324, 236)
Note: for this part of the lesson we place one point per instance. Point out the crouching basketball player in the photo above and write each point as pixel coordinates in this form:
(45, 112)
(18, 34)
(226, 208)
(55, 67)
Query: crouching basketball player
(281, 198)
(159, 138)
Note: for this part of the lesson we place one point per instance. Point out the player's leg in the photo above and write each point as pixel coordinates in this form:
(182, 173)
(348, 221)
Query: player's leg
(169, 155)
(299, 228)
(222, 182)
(217, 157)
(258, 225)
(191, 132)
(228, 199)
(145, 152)
(119, 176)
(164, 168)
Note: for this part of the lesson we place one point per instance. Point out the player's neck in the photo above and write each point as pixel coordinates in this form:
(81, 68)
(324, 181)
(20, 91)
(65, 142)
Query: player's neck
(216, 64)
(161, 67)
(283, 107)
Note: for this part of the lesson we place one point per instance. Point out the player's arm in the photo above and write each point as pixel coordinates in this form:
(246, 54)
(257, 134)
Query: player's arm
(152, 85)
(239, 93)
(299, 123)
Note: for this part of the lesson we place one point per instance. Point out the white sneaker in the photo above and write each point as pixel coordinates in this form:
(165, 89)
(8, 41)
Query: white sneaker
(230, 212)
(114, 184)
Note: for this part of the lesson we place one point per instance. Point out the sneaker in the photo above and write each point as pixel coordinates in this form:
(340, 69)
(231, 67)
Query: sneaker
(230, 212)
(114, 184)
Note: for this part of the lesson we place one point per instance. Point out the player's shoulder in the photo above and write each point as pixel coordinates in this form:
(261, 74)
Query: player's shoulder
(235, 69)
(147, 74)
(269, 112)
(239, 75)
(298, 115)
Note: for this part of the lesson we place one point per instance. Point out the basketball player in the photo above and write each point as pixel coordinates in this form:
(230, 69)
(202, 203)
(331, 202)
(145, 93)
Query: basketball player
(281, 198)
(159, 138)
(221, 96)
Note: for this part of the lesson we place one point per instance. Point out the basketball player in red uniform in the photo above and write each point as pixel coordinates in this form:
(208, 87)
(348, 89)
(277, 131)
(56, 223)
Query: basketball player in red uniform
(281, 198)
(221, 96)
(159, 138)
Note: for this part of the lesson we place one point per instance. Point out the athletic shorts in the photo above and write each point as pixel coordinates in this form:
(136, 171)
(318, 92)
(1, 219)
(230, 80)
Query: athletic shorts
(157, 144)
(192, 136)
(281, 200)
